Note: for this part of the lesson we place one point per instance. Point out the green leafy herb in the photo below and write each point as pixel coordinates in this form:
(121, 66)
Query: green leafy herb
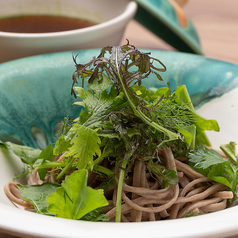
(224, 173)
(212, 165)
(203, 158)
(95, 216)
(230, 152)
(98, 102)
(27, 154)
(85, 145)
(117, 67)
(168, 177)
(75, 199)
(201, 124)
(37, 195)
(62, 144)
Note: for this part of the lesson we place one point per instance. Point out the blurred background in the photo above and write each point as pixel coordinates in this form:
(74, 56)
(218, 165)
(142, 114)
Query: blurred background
(216, 22)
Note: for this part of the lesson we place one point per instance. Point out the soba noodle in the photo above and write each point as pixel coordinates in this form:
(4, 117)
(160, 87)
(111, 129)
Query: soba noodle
(144, 199)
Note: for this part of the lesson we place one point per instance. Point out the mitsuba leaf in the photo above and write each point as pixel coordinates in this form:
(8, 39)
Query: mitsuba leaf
(205, 125)
(75, 199)
(188, 132)
(85, 146)
(37, 194)
(202, 124)
(224, 173)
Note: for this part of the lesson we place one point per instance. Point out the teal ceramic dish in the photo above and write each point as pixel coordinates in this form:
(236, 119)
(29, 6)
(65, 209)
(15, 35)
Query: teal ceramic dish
(35, 96)
(35, 91)
(168, 21)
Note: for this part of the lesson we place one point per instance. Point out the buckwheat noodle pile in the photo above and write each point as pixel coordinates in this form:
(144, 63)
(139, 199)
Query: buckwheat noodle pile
(143, 197)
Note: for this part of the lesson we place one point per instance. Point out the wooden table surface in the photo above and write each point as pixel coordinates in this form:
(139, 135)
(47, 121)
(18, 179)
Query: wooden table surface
(216, 22)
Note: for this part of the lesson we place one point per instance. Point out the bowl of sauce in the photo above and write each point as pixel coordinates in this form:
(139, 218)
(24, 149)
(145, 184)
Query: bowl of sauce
(30, 27)
(42, 24)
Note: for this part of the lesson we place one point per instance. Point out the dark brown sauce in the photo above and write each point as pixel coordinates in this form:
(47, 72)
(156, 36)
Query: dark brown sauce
(41, 24)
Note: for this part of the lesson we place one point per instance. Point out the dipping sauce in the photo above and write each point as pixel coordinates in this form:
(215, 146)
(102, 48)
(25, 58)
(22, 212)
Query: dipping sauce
(41, 24)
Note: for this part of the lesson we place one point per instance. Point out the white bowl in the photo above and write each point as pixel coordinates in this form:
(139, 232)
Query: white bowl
(112, 17)
(25, 96)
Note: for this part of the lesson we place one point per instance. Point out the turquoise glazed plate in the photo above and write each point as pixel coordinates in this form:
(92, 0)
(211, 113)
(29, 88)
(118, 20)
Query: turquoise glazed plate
(167, 20)
(35, 91)
(35, 97)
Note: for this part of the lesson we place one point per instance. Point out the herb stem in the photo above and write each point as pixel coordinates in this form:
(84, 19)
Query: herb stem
(119, 191)
(101, 169)
(64, 170)
(229, 151)
(186, 99)
(98, 160)
(51, 165)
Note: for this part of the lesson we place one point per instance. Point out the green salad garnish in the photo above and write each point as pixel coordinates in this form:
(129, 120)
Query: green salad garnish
(121, 123)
